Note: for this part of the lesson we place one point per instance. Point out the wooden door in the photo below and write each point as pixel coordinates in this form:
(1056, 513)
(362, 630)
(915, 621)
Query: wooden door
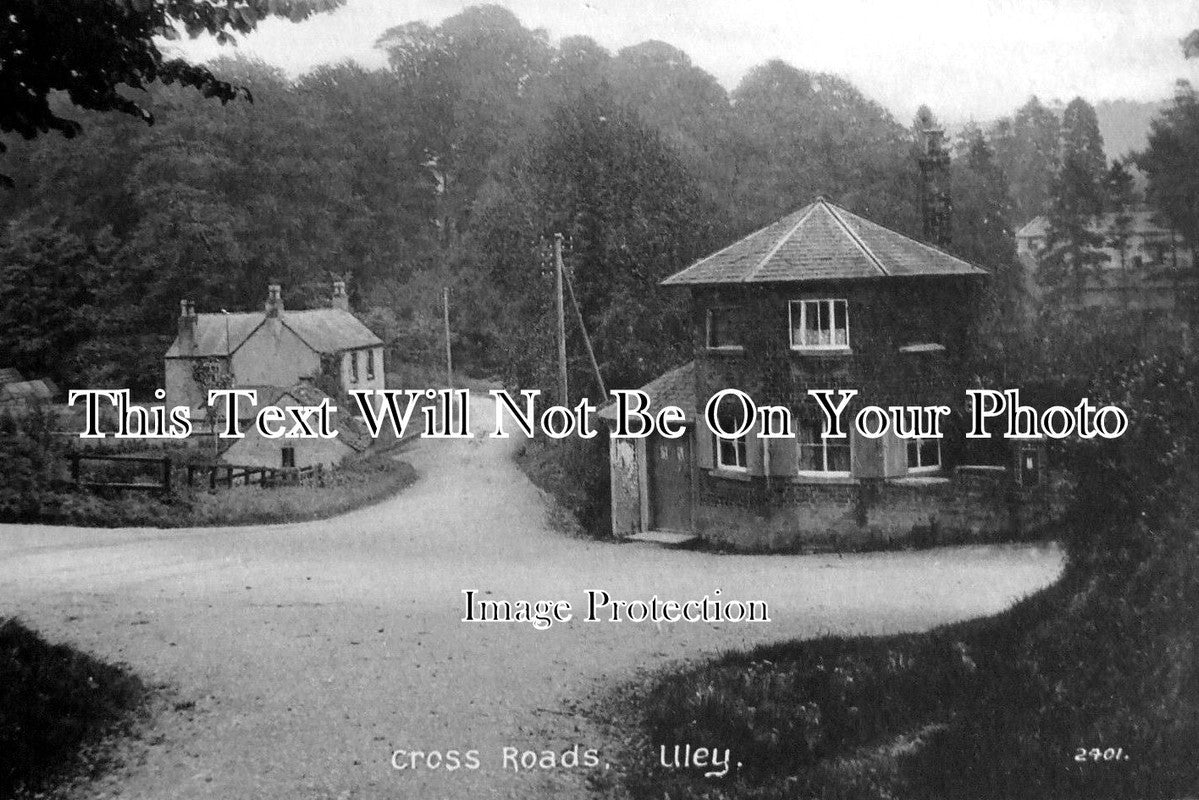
(669, 483)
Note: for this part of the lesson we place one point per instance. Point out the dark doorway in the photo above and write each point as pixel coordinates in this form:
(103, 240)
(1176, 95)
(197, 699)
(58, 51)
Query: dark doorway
(289, 456)
(669, 483)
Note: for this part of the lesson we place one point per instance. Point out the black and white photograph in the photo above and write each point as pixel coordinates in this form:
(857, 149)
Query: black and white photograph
(599, 400)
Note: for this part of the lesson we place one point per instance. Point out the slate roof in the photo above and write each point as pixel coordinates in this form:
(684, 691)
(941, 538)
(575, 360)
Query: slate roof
(325, 330)
(821, 241)
(674, 388)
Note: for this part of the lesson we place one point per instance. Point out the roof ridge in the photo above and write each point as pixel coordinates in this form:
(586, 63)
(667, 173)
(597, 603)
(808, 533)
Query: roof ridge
(782, 240)
(721, 251)
(857, 239)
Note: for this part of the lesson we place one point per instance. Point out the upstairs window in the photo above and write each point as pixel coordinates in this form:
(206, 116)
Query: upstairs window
(819, 325)
(720, 330)
(370, 365)
(354, 367)
(924, 454)
(818, 455)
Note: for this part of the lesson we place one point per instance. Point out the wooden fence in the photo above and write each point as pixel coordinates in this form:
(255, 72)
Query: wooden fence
(209, 476)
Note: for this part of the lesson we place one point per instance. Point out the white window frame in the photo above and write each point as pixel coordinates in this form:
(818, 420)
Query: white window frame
(708, 331)
(917, 441)
(803, 304)
(740, 446)
(823, 445)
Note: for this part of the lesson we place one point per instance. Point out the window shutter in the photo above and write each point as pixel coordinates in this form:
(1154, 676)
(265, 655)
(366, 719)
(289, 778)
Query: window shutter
(896, 456)
(754, 450)
(703, 446)
(782, 456)
(867, 456)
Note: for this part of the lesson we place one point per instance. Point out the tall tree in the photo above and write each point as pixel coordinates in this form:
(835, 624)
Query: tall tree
(800, 134)
(1074, 242)
(631, 216)
(468, 80)
(1171, 163)
(983, 234)
(1028, 151)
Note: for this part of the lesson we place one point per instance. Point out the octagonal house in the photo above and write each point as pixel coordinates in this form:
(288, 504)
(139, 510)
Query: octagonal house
(820, 299)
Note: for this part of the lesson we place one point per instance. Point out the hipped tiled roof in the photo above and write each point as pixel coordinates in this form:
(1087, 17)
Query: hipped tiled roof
(821, 241)
(325, 330)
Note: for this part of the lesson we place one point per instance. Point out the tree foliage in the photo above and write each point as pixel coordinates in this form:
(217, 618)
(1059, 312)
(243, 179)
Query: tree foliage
(94, 50)
(453, 167)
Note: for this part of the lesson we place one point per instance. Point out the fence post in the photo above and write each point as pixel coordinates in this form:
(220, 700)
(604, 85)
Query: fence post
(212, 478)
(166, 474)
(229, 477)
(75, 468)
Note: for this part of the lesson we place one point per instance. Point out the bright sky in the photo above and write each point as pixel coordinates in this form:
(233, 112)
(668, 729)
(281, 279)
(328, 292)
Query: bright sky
(965, 58)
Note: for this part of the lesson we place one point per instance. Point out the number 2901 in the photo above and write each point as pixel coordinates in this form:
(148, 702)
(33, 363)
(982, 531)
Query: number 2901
(1082, 754)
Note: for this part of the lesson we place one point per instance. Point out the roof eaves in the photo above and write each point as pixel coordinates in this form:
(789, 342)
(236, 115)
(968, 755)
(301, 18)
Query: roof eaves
(779, 244)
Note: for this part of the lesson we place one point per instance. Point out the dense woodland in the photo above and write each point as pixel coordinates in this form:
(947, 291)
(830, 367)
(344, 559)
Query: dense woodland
(455, 166)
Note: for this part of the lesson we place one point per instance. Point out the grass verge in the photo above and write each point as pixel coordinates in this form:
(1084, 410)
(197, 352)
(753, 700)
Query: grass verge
(1013, 706)
(54, 702)
(360, 483)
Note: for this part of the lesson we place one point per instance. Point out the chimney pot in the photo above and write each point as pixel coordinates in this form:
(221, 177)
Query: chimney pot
(340, 300)
(187, 323)
(274, 300)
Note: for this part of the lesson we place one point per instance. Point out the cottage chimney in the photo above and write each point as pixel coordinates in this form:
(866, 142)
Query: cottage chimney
(274, 300)
(187, 323)
(936, 204)
(340, 299)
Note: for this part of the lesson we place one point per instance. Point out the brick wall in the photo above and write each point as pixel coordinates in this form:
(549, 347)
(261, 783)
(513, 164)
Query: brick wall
(755, 515)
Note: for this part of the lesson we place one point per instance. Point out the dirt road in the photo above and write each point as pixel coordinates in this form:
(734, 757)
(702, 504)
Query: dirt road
(311, 652)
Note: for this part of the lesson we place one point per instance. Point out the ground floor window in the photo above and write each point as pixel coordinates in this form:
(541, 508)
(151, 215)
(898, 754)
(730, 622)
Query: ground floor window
(731, 453)
(924, 454)
(818, 455)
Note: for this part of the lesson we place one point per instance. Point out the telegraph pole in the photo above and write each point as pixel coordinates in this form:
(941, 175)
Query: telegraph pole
(563, 398)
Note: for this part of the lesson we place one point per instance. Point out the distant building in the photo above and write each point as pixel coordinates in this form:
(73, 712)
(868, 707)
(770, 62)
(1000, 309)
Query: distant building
(272, 351)
(1149, 267)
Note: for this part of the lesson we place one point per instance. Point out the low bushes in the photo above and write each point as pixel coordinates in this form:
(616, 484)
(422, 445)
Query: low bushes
(574, 472)
(34, 487)
(53, 700)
